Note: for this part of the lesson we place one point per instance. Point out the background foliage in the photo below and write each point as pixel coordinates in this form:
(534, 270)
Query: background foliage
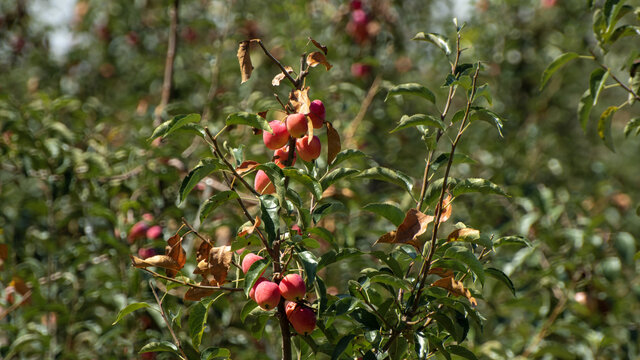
(77, 170)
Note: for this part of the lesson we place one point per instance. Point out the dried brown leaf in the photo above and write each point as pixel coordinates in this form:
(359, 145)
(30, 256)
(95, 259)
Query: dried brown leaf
(333, 143)
(246, 166)
(203, 251)
(219, 263)
(414, 224)
(176, 252)
(244, 58)
(446, 214)
(316, 57)
(442, 272)
(309, 130)
(319, 46)
(278, 78)
(263, 114)
(455, 287)
(196, 294)
(300, 100)
(4, 254)
(162, 261)
(19, 285)
(251, 228)
(462, 234)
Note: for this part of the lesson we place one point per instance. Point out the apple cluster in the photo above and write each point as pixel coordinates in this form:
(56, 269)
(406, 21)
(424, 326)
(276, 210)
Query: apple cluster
(296, 126)
(291, 287)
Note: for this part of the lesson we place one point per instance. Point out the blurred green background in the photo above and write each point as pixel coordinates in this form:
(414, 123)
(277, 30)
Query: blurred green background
(79, 84)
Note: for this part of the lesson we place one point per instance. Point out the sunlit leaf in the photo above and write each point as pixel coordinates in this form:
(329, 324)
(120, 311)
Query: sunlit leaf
(455, 287)
(205, 167)
(346, 155)
(631, 125)
(319, 46)
(250, 119)
(316, 57)
(177, 122)
(556, 64)
(388, 175)
(159, 346)
(418, 119)
(502, 277)
(129, 309)
(414, 224)
(597, 81)
(438, 40)
(388, 211)
(411, 89)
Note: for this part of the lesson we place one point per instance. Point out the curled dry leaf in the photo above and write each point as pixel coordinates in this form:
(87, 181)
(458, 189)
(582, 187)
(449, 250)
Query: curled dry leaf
(162, 261)
(309, 130)
(333, 143)
(414, 224)
(319, 46)
(246, 166)
(244, 58)
(463, 234)
(177, 253)
(455, 287)
(251, 228)
(300, 100)
(446, 214)
(316, 57)
(278, 78)
(203, 251)
(214, 269)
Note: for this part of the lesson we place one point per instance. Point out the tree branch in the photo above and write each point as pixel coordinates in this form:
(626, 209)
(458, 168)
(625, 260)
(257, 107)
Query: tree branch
(168, 65)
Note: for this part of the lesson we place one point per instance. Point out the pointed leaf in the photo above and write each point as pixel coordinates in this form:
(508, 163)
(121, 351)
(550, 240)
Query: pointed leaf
(411, 89)
(333, 143)
(319, 46)
(604, 126)
(596, 83)
(488, 116)
(554, 66)
(316, 57)
(310, 265)
(468, 258)
(584, 109)
(476, 185)
(214, 353)
(414, 224)
(388, 211)
(169, 126)
(129, 309)
(159, 346)
(457, 159)
(216, 200)
(418, 119)
(250, 119)
(311, 184)
(461, 351)
(388, 175)
(336, 175)
(198, 320)
(438, 40)
(512, 240)
(455, 287)
(205, 167)
(501, 276)
(346, 155)
(255, 271)
(269, 207)
(631, 125)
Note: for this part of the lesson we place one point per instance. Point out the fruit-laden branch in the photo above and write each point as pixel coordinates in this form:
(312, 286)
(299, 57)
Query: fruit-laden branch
(195, 286)
(168, 65)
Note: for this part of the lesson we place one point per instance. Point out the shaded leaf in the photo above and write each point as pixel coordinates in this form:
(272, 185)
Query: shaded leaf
(162, 261)
(159, 346)
(176, 252)
(411, 89)
(341, 346)
(604, 126)
(246, 166)
(461, 351)
(269, 207)
(205, 167)
(438, 40)
(597, 80)
(501, 276)
(326, 209)
(316, 57)
(393, 281)
(310, 265)
(443, 159)
(556, 64)
(488, 116)
(129, 309)
(216, 200)
(418, 119)
(584, 108)
(346, 155)
(455, 287)
(476, 185)
(388, 175)
(253, 274)
(250, 119)
(512, 240)
(177, 122)
(468, 258)
(215, 267)
(213, 353)
(198, 320)
(388, 211)
(333, 142)
(631, 125)
(244, 58)
(336, 175)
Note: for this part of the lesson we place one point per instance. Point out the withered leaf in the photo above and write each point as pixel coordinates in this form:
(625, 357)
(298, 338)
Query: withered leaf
(463, 234)
(4, 254)
(333, 143)
(278, 78)
(203, 251)
(251, 228)
(246, 166)
(263, 114)
(455, 288)
(442, 272)
(316, 57)
(219, 263)
(446, 214)
(162, 261)
(176, 252)
(244, 58)
(414, 224)
(19, 285)
(300, 100)
(319, 46)
(309, 130)
(196, 294)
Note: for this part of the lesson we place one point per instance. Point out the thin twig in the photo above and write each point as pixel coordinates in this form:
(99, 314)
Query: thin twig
(284, 71)
(13, 307)
(168, 65)
(164, 316)
(196, 286)
(350, 132)
(605, 67)
(196, 233)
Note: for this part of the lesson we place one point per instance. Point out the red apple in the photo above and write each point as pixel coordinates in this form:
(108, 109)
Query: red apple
(308, 151)
(303, 319)
(289, 307)
(248, 260)
(138, 231)
(295, 227)
(154, 232)
(279, 137)
(292, 287)
(281, 155)
(146, 253)
(262, 184)
(297, 125)
(252, 292)
(267, 295)
(317, 113)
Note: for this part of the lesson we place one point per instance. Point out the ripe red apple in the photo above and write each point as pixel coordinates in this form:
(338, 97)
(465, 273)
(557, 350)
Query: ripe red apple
(317, 113)
(267, 295)
(308, 151)
(154, 232)
(262, 184)
(303, 319)
(144, 253)
(138, 231)
(252, 292)
(297, 125)
(295, 227)
(292, 287)
(279, 137)
(248, 260)
(281, 155)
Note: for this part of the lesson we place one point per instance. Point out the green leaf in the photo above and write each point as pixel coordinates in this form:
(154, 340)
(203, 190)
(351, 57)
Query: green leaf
(596, 83)
(332, 256)
(631, 125)
(311, 184)
(169, 126)
(584, 109)
(488, 116)
(346, 155)
(393, 281)
(388, 175)
(129, 309)
(604, 126)
(622, 31)
(328, 208)
(483, 91)
(213, 353)
(310, 264)
(511, 240)
(197, 128)
(253, 274)
(276, 175)
(245, 118)
(476, 185)
(468, 258)
(365, 318)
(411, 89)
(341, 346)
(461, 351)
(269, 207)
(445, 322)
(216, 200)
(336, 175)
(159, 346)
(205, 167)
(388, 211)
(501, 276)
(611, 9)
(418, 119)
(457, 159)
(256, 321)
(247, 308)
(438, 40)
(554, 66)
(198, 320)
